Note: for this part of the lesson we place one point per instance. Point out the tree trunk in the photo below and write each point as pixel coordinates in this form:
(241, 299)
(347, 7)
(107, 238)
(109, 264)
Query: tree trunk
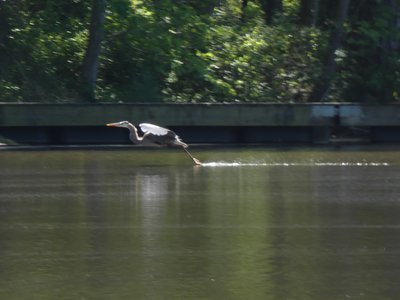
(309, 12)
(244, 6)
(324, 81)
(92, 53)
(388, 52)
(394, 6)
(271, 8)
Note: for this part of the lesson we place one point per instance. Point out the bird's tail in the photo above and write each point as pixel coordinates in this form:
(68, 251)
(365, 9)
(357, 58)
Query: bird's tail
(178, 142)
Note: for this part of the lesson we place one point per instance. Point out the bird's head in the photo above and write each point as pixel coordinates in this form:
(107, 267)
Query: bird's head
(124, 124)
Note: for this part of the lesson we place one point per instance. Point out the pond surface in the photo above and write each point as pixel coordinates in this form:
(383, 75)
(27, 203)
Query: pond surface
(253, 223)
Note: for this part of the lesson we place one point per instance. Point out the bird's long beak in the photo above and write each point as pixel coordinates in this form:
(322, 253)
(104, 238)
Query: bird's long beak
(112, 124)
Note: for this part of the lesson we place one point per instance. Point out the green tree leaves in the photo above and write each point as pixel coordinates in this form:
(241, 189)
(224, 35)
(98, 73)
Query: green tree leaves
(207, 51)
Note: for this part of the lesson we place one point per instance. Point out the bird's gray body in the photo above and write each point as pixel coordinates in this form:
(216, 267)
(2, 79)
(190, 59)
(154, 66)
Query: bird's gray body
(156, 135)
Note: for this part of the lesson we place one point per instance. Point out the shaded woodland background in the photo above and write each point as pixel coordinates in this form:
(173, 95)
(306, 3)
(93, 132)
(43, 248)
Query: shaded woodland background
(192, 51)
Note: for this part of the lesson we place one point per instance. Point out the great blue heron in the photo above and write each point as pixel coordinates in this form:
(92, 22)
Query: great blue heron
(154, 136)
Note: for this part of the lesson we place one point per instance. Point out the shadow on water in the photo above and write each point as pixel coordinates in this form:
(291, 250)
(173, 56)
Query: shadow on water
(247, 224)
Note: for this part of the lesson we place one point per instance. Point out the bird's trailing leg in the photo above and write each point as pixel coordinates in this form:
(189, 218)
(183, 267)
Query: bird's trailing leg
(195, 160)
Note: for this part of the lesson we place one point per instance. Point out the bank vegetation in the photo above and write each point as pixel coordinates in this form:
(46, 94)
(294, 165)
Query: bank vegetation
(190, 51)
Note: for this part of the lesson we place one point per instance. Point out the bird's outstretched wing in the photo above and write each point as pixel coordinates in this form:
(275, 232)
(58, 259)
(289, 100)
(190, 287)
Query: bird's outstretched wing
(160, 136)
(154, 129)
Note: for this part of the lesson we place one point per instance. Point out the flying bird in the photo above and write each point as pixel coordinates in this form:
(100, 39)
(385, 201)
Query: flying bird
(154, 136)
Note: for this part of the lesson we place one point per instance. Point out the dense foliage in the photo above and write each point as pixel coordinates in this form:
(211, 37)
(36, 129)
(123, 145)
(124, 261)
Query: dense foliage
(202, 51)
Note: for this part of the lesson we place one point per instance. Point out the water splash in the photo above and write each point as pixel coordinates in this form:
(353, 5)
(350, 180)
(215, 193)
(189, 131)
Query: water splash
(232, 164)
(216, 164)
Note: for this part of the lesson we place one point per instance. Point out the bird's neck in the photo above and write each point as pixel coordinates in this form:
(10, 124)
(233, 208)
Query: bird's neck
(135, 138)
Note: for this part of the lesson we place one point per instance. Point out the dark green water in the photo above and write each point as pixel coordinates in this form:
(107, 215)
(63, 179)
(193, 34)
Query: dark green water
(249, 224)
